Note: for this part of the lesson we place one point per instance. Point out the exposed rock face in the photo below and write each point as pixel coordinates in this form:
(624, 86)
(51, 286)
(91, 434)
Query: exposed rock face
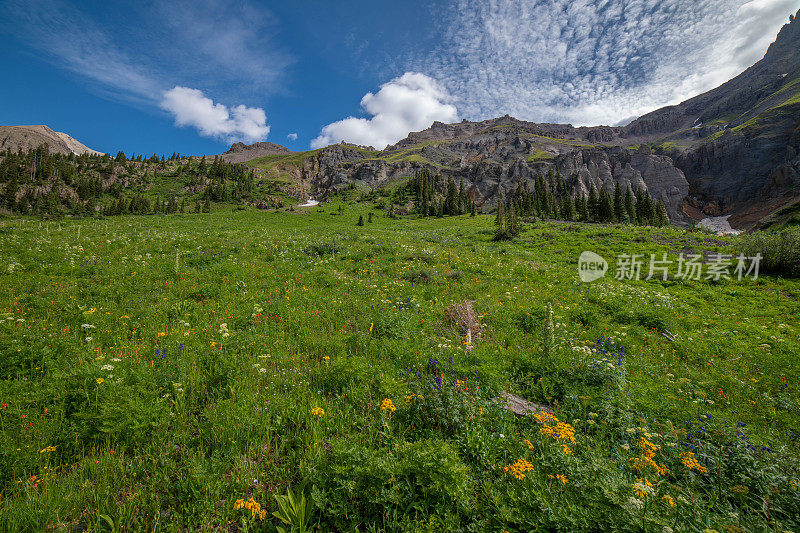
(240, 152)
(691, 149)
(28, 138)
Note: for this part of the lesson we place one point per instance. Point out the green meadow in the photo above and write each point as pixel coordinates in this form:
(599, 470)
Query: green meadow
(290, 371)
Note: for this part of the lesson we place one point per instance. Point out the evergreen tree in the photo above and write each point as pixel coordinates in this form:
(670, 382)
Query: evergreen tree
(501, 230)
(606, 207)
(567, 208)
(644, 207)
(360, 220)
(662, 219)
(583, 211)
(630, 206)
(593, 205)
(451, 203)
(512, 223)
(10, 193)
(619, 203)
(369, 218)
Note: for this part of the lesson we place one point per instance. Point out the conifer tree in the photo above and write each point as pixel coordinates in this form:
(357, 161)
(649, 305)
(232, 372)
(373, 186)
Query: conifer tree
(583, 212)
(512, 222)
(592, 204)
(568, 208)
(662, 219)
(619, 203)
(630, 206)
(605, 207)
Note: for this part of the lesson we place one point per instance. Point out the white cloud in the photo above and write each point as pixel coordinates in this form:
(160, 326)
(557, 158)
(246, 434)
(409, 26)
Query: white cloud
(191, 107)
(595, 61)
(292, 137)
(135, 58)
(411, 102)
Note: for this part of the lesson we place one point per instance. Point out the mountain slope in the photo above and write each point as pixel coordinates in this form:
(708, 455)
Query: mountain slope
(27, 138)
(732, 150)
(240, 152)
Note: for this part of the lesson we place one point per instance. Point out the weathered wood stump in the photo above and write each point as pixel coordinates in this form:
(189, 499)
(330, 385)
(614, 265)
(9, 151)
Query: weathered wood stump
(520, 406)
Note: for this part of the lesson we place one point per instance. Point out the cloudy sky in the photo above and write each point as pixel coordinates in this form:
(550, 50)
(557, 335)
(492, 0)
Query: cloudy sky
(195, 76)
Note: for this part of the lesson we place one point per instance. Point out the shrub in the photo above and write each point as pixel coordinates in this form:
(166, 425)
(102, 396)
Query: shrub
(780, 250)
(321, 249)
(419, 276)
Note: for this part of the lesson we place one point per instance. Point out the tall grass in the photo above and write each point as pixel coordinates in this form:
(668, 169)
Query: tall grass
(780, 250)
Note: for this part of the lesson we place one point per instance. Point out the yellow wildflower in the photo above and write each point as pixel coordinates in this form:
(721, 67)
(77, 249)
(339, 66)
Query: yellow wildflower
(560, 477)
(667, 498)
(689, 461)
(318, 411)
(647, 458)
(251, 505)
(387, 405)
(99, 380)
(555, 428)
(518, 468)
(48, 449)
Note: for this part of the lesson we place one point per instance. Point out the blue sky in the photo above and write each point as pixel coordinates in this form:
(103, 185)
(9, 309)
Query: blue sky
(194, 76)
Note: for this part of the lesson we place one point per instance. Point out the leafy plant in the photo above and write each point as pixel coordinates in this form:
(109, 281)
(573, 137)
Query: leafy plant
(294, 510)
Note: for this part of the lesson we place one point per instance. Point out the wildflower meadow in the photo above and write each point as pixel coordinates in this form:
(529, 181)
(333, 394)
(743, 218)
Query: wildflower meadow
(247, 370)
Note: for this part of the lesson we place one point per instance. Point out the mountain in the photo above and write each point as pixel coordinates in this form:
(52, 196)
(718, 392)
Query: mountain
(732, 150)
(27, 138)
(240, 152)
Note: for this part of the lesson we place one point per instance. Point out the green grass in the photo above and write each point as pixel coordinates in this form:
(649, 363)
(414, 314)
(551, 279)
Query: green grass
(539, 155)
(174, 363)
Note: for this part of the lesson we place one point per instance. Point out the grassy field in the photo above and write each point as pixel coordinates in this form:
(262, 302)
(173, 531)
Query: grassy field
(174, 373)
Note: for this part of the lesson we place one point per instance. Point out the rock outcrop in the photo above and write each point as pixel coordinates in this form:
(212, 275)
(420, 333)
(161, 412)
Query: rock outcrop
(28, 138)
(730, 149)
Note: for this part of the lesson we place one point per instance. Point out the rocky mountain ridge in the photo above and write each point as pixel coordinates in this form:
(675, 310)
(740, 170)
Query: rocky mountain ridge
(27, 138)
(732, 150)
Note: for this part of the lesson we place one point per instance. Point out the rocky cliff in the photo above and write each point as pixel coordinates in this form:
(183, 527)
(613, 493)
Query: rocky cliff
(27, 138)
(733, 150)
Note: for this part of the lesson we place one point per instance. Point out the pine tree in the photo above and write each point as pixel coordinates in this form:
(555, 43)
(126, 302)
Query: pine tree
(568, 208)
(501, 231)
(619, 203)
(606, 207)
(593, 205)
(360, 220)
(662, 219)
(644, 207)
(512, 223)
(369, 218)
(10, 193)
(451, 203)
(583, 211)
(630, 206)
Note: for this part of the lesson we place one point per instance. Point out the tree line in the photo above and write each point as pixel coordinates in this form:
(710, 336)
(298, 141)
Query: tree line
(428, 201)
(41, 183)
